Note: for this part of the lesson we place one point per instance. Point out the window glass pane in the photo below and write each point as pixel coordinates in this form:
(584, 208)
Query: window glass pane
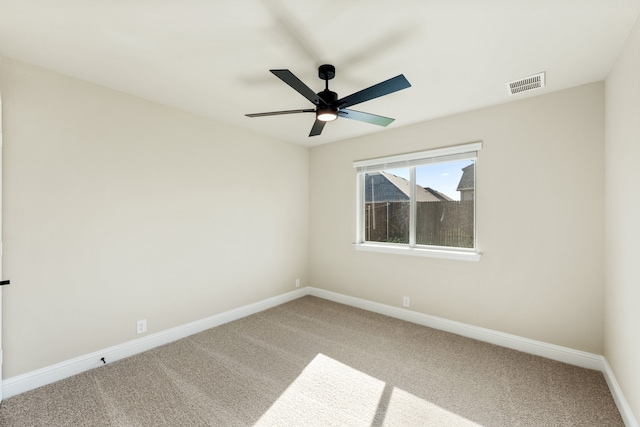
(386, 206)
(445, 195)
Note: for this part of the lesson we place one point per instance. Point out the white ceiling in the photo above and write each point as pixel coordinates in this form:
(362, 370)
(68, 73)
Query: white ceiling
(212, 57)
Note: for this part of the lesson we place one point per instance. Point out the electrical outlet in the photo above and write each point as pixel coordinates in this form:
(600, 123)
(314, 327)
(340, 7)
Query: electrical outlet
(141, 326)
(405, 301)
(297, 283)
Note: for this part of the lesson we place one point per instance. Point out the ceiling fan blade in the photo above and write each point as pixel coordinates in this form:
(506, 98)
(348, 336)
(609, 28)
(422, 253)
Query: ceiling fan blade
(365, 117)
(292, 28)
(317, 128)
(289, 78)
(277, 113)
(384, 88)
(375, 47)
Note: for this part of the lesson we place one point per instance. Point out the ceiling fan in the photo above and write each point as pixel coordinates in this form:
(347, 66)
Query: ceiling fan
(327, 105)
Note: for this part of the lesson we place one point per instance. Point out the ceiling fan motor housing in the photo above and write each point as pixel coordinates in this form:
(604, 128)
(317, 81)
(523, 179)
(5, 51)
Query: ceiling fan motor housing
(328, 112)
(328, 96)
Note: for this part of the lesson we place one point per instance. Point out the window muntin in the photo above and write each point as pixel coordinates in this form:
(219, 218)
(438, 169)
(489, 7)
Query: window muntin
(419, 201)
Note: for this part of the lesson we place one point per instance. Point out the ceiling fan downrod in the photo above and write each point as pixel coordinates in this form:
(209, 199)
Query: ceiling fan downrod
(328, 112)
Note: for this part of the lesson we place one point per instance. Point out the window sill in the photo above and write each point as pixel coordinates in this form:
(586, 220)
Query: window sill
(460, 255)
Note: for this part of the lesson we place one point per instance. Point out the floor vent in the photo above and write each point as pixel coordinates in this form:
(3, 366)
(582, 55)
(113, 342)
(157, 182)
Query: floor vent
(528, 83)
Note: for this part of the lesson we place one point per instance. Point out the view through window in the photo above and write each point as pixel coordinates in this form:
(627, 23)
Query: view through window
(428, 203)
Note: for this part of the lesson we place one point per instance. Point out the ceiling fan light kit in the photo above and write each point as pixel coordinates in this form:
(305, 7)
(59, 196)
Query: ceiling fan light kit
(326, 114)
(327, 105)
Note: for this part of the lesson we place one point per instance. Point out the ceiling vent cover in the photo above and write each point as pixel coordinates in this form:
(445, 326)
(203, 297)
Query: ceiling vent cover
(526, 84)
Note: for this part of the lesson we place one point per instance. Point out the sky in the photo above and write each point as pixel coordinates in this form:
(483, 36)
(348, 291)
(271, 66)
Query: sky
(443, 177)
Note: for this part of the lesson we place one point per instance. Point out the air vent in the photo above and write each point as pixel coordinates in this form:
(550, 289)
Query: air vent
(528, 83)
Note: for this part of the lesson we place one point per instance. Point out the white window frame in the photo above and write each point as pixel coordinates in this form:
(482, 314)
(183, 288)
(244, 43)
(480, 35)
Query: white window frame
(412, 160)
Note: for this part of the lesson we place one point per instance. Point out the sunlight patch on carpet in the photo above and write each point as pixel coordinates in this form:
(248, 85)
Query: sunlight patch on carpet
(405, 409)
(326, 393)
(330, 393)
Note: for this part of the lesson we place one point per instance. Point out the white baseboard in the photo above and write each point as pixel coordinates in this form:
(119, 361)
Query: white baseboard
(622, 404)
(47, 375)
(550, 351)
(539, 348)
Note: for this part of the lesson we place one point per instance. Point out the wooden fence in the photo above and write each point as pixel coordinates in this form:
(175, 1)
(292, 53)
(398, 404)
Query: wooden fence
(447, 223)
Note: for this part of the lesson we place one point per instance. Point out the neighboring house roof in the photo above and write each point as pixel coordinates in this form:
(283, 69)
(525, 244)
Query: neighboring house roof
(387, 187)
(467, 179)
(439, 195)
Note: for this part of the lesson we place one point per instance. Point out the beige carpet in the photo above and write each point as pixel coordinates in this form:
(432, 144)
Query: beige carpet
(312, 362)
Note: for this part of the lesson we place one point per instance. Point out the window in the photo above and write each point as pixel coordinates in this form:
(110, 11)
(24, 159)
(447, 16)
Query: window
(419, 203)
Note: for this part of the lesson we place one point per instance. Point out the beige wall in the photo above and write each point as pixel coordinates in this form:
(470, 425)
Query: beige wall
(622, 175)
(118, 209)
(540, 218)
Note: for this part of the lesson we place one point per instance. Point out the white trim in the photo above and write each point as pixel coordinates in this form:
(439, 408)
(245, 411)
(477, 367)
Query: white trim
(31, 380)
(47, 375)
(538, 348)
(526, 345)
(417, 251)
(622, 404)
(420, 155)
